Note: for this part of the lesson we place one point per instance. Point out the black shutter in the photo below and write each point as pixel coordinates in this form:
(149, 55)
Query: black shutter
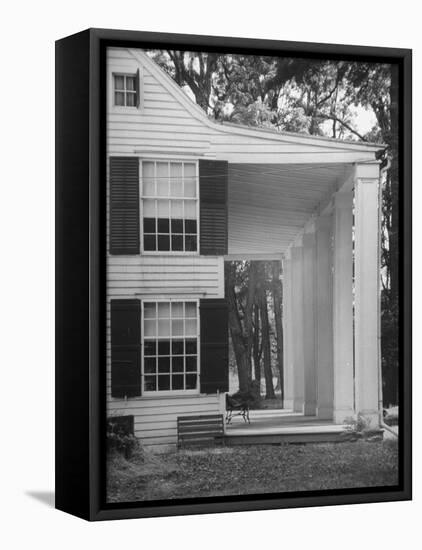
(213, 208)
(214, 346)
(125, 348)
(138, 88)
(124, 205)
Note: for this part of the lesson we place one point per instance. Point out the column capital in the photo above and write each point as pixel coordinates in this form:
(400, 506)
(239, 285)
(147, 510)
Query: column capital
(367, 171)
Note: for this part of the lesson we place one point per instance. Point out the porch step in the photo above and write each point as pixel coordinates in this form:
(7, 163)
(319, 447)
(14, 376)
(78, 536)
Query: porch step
(291, 434)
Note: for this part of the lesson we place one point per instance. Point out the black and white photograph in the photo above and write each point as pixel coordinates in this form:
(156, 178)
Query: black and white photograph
(252, 274)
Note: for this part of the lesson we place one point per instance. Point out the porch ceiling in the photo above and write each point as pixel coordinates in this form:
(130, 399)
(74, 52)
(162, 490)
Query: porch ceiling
(270, 203)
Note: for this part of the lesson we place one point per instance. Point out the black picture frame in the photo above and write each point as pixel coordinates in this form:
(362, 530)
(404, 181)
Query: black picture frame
(80, 274)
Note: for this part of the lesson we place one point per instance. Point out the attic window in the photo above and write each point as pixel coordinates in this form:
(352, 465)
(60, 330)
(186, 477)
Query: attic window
(126, 90)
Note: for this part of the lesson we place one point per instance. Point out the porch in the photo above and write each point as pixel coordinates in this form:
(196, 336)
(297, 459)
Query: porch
(321, 220)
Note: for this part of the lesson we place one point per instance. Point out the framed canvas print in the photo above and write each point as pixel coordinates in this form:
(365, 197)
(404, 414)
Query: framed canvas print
(233, 274)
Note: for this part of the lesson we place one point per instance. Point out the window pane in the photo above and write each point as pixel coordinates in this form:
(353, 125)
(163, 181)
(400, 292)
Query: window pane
(177, 310)
(190, 309)
(191, 364)
(150, 242)
(164, 347)
(177, 243)
(119, 98)
(164, 364)
(177, 327)
(190, 327)
(119, 82)
(177, 382)
(150, 366)
(190, 226)
(191, 347)
(149, 208)
(177, 209)
(130, 83)
(162, 179)
(190, 210)
(163, 209)
(190, 243)
(176, 182)
(163, 225)
(163, 242)
(150, 383)
(177, 347)
(149, 310)
(149, 225)
(163, 382)
(177, 226)
(149, 347)
(149, 327)
(163, 310)
(190, 381)
(164, 328)
(148, 179)
(190, 170)
(130, 99)
(177, 364)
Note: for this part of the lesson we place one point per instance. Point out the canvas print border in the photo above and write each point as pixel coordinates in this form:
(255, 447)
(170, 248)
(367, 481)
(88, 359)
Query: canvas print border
(85, 425)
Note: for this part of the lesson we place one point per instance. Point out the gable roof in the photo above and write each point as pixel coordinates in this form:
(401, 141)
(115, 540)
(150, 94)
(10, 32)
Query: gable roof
(267, 134)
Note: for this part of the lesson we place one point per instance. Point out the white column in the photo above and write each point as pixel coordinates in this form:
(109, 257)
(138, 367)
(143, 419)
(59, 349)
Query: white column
(297, 328)
(367, 291)
(309, 323)
(287, 332)
(324, 316)
(343, 307)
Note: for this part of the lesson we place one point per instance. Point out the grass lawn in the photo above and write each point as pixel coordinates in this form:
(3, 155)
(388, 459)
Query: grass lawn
(251, 469)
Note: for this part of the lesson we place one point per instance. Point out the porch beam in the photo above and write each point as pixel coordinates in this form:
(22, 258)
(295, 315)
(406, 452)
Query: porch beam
(367, 322)
(343, 307)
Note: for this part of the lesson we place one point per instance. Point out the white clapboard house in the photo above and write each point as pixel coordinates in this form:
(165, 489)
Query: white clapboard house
(186, 193)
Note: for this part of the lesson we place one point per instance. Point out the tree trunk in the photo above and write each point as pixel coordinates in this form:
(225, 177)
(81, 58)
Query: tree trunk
(277, 291)
(265, 335)
(256, 352)
(249, 332)
(236, 331)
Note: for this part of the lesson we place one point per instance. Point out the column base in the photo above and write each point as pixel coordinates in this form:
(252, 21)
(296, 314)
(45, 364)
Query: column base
(288, 403)
(310, 409)
(325, 413)
(298, 405)
(342, 416)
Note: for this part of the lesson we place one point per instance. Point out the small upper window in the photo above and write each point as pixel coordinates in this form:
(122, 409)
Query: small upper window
(125, 92)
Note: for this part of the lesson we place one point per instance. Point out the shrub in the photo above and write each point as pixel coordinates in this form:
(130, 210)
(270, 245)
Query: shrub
(120, 436)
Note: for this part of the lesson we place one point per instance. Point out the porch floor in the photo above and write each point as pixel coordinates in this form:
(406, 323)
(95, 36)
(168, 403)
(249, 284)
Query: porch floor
(282, 426)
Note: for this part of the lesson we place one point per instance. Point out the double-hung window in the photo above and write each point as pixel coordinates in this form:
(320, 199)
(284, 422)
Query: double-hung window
(125, 93)
(170, 346)
(170, 206)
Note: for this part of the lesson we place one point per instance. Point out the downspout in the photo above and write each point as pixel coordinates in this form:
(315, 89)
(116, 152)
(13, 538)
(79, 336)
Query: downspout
(382, 424)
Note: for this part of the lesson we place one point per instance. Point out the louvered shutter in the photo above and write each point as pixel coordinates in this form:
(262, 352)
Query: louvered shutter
(213, 197)
(138, 88)
(125, 348)
(124, 205)
(214, 345)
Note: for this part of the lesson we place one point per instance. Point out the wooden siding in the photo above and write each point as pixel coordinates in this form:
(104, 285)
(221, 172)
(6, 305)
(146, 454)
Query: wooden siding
(155, 419)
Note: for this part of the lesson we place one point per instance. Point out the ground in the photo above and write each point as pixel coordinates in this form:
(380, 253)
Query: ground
(252, 469)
